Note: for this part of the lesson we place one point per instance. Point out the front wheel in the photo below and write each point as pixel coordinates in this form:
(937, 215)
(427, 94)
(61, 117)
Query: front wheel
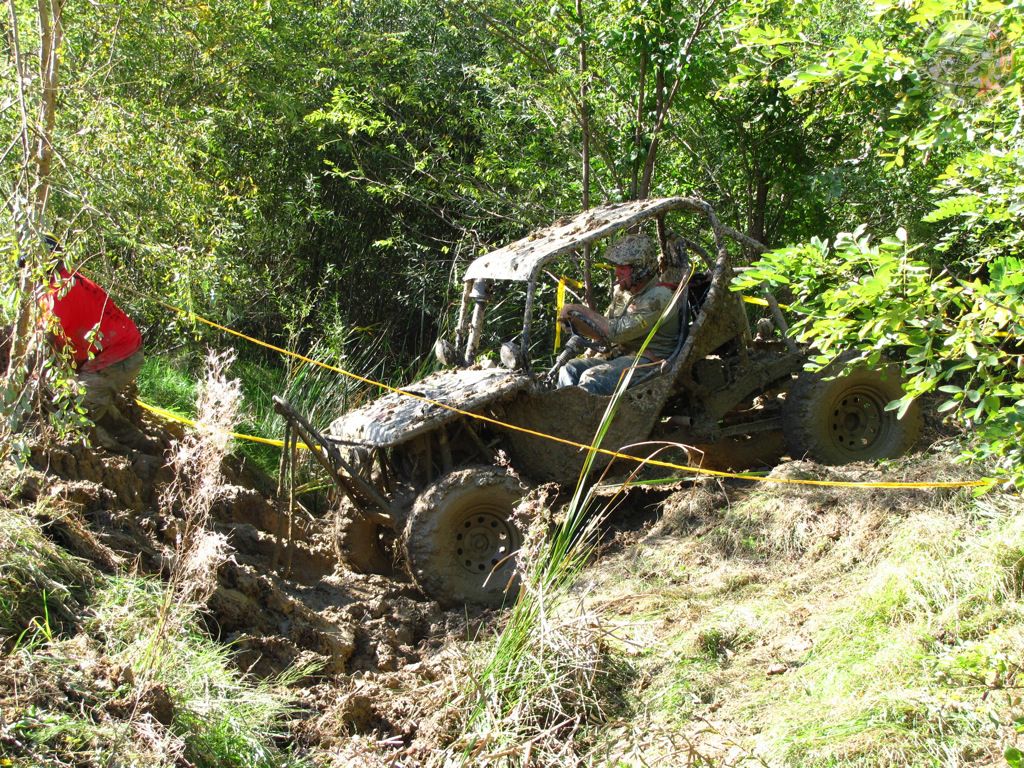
(843, 420)
(461, 539)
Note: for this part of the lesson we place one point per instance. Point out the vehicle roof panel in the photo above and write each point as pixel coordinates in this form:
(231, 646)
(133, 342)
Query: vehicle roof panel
(522, 259)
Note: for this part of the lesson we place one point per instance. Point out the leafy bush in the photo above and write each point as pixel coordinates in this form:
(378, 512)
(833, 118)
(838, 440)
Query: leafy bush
(949, 305)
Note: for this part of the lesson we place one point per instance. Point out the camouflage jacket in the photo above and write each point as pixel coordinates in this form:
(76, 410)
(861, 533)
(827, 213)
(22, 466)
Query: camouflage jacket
(631, 317)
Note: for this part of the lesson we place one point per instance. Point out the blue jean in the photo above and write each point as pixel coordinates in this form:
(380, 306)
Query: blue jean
(594, 374)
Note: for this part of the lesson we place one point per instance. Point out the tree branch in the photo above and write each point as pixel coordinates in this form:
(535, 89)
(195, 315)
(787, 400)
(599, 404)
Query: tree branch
(664, 105)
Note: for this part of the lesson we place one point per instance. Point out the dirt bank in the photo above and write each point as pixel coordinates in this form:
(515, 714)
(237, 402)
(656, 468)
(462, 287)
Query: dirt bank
(375, 649)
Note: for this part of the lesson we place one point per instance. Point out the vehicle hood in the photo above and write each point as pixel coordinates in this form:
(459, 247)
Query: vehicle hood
(397, 417)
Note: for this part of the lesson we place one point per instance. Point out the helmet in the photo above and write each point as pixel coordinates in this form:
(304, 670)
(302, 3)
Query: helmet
(637, 250)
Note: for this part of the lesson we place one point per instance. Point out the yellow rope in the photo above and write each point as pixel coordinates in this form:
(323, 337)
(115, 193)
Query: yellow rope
(170, 415)
(572, 443)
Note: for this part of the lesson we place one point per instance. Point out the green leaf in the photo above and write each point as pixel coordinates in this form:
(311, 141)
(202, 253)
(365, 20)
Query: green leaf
(928, 11)
(904, 404)
(953, 206)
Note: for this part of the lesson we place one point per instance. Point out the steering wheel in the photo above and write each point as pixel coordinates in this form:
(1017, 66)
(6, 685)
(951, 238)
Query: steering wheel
(588, 326)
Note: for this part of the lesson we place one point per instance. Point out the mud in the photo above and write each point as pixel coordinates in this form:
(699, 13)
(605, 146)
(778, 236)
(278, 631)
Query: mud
(369, 647)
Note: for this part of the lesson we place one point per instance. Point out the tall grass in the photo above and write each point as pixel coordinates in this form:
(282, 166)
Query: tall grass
(197, 484)
(169, 382)
(116, 707)
(135, 679)
(319, 393)
(551, 677)
(221, 718)
(41, 584)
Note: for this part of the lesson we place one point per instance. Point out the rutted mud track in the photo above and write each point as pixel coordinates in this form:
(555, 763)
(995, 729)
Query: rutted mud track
(373, 645)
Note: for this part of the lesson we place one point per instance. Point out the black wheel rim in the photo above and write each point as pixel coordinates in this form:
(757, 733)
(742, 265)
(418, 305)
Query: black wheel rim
(857, 421)
(484, 539)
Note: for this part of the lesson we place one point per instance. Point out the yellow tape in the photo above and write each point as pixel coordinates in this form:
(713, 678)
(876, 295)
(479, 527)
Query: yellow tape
(762, 302)
(170, 415)
(572, 443)
(559, 303)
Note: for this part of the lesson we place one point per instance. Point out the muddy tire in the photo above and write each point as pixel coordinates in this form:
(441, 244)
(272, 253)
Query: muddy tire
(363, 545)
(844, 419)
(461, 540)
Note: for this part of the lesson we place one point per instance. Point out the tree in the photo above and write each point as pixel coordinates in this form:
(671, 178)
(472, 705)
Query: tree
(950, 303)
(27, 201)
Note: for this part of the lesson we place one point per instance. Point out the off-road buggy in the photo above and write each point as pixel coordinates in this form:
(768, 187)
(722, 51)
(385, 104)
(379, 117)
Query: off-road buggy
(431, 474)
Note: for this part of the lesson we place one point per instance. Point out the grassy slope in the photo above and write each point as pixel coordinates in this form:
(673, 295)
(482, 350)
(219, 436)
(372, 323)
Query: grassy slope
(818, 627)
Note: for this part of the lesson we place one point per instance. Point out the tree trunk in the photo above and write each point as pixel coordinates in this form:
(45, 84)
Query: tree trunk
(28, 204)
(51, 34)
(638, 132)
(759, 207)
(588, 287)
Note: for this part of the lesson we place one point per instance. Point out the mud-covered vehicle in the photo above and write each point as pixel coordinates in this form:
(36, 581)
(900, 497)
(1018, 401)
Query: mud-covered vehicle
(432, 473)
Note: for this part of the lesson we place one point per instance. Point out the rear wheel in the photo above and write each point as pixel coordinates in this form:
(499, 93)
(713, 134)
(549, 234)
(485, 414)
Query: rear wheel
(461, 540)
(365, 546)
(842, 420)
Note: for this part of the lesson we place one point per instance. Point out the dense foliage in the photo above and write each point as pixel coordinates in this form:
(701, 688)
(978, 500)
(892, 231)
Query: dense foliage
(317, 173)
(939, 281)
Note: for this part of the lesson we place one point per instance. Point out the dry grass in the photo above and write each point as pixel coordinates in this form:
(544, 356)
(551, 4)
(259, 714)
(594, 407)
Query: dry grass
(821, 627)
(569, 686)
(41, 584)
(198, 484)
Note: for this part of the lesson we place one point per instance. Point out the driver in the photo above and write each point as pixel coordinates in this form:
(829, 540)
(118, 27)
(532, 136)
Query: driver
(638, 300)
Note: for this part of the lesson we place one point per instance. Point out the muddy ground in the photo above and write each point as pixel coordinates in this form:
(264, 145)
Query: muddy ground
(379, 650)
(385, 667)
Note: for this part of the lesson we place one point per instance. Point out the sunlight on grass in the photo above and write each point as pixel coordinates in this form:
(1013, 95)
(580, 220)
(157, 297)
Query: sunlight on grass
(224, 718)
(848, 633)
(878, 687)
(39, 581)
(170, 383)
